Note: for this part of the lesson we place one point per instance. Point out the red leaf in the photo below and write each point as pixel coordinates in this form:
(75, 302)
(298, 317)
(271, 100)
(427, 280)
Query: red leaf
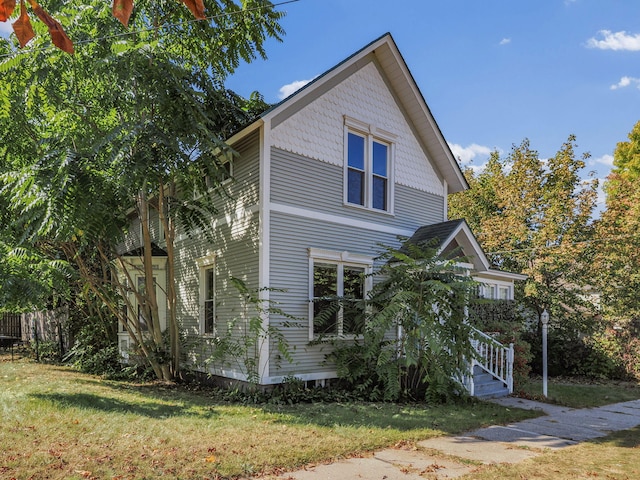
(22, 26)
(6, 9)
(196, 7)
(58, 36)
(122, 10)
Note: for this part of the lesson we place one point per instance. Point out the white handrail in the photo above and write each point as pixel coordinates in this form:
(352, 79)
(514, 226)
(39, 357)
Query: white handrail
(493, 357)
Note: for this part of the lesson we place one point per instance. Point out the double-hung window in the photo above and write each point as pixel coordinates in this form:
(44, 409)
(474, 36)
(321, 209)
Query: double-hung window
(368, 166)
(338, 288)
(207, 296)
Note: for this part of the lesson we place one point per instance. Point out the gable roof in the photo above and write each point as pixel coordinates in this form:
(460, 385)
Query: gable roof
(397, 74)
(437, 235)
(156, 251)
(457, 233)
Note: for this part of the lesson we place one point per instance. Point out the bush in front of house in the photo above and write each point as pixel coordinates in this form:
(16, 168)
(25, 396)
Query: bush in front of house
(415, 343)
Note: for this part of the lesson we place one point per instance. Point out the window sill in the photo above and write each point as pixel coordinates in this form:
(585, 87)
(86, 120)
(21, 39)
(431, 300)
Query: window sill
(334, 337)
(355, 206)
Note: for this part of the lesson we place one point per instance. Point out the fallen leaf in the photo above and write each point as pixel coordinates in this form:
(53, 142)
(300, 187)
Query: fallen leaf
(210, 459)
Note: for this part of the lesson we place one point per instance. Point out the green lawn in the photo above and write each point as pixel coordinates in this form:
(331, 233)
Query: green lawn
(581, 393)
(58, 423)
(616, 456)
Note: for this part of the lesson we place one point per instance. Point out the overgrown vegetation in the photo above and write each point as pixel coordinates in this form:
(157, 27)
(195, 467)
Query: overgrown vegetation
(130, 130)
(416, 341)
(242, 340)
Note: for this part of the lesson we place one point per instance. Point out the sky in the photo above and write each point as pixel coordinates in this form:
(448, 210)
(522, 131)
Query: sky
(493, 72)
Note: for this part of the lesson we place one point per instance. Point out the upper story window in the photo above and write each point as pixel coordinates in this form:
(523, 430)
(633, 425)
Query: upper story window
(368, 166)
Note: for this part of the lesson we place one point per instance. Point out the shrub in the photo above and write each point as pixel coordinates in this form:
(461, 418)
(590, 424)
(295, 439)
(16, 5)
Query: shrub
(423, 297)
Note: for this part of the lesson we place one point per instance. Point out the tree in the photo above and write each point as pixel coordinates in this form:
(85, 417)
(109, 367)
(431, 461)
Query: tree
(618, 260)
(128, 125)
(423, 298)
(534, 217)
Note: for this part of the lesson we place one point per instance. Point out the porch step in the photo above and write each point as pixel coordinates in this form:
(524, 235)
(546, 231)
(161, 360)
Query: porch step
(486, 386)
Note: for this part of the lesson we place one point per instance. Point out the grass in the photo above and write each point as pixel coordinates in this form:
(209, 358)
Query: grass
(58, 423)
(580, 393)
(616, 456)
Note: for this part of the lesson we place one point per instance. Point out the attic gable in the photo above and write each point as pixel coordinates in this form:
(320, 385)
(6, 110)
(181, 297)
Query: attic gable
(383, 56)
(362, 100)
(452, 235)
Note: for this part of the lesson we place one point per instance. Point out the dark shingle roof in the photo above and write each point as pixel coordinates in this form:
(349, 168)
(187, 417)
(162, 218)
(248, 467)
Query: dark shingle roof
(156, 251)
(434, 235)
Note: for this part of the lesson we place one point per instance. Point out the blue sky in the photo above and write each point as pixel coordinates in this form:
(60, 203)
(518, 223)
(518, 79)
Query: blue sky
(493, 72)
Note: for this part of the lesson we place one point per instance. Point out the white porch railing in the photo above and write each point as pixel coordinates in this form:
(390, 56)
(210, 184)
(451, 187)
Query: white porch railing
(493, 357)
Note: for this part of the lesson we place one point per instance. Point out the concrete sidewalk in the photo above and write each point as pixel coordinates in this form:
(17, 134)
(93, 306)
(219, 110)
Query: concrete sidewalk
(436, 458)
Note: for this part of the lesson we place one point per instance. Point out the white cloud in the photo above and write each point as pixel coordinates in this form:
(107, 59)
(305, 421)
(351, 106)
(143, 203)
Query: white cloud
(505, 41)
(625, 82)
(292, 87)
(615, 41)
(467, 154)
(604, 160)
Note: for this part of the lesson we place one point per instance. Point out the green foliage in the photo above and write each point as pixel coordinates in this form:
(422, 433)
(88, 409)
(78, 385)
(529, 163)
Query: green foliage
(423, 298)
(615, 352)
(533, 216)
(616, 258)
(47, 351)
(95, 349)
(134, 120)
(245, 337)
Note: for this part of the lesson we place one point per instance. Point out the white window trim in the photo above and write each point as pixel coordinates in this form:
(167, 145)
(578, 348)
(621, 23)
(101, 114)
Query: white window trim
(496, 286)
(204, 264)
(341, 259)
(371, 133)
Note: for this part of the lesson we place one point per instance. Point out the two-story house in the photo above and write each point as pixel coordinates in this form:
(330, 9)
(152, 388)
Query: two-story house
(353, 160)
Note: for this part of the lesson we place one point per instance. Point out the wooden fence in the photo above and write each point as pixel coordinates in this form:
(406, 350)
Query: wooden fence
(47, 326)
(11, 325)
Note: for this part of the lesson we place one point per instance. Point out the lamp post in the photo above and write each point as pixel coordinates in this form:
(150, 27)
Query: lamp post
(544, 318)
